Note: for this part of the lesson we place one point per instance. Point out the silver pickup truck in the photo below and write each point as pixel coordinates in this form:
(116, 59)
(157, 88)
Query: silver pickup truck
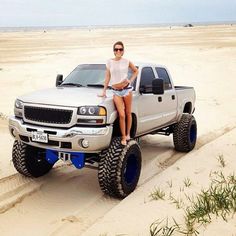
(71, 123)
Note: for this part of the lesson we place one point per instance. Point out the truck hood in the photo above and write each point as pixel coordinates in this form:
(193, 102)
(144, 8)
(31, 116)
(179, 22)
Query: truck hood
(66, 96)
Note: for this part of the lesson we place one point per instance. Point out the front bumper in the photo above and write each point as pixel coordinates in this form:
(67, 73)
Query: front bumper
(59, 139)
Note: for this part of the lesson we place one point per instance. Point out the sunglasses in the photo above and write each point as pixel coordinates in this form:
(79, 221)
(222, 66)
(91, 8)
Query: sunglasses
(118, 49)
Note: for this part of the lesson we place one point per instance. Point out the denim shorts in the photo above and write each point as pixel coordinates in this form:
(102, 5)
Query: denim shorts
(122, 93)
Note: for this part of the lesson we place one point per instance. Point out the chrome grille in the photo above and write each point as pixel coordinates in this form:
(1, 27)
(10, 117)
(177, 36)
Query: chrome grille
(48, 115)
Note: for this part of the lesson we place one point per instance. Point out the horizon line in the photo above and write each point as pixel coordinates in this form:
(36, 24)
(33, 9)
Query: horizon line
(126, 24)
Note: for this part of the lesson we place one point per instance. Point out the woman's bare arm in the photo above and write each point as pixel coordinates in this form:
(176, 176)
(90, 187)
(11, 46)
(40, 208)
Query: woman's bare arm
(107, 80)
(135, 71)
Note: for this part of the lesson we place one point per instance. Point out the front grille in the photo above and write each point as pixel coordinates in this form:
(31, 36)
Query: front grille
(48, 115)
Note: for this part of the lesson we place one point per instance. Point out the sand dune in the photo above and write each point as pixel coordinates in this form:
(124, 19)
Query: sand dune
(68, 201)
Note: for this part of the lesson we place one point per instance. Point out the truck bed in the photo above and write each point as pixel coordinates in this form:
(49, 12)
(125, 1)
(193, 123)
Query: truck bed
(182, 87)
(185, 95)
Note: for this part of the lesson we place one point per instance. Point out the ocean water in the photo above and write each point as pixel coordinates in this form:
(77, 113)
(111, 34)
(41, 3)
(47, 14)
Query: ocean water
(91, 27)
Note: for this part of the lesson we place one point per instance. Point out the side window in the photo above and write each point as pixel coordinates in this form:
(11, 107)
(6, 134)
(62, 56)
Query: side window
(162, 73)
(147, 76)
(130, 73)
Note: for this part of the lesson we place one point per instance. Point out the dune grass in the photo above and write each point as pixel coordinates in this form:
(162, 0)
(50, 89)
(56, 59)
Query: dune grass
(165, 230)
(157, 194)
(187, 182)
(221, 160)
(218, 200)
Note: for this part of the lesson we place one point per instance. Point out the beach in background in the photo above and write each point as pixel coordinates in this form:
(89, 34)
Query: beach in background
(69, 201)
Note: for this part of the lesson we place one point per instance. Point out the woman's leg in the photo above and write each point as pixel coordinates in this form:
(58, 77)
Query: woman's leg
(128, 104)
(119, 103)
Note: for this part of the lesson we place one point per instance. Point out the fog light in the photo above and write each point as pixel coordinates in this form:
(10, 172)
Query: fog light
(84, 143)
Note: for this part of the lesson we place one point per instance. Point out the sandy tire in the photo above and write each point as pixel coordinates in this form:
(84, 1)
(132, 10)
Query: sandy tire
(30, 161)
(119, 168)
(185, 133)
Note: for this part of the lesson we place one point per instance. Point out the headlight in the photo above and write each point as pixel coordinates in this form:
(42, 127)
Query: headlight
(82, 111)
(91, 111)
(18, 104)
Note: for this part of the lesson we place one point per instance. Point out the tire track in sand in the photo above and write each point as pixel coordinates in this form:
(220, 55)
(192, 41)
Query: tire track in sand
(15, 188)
(170, 157)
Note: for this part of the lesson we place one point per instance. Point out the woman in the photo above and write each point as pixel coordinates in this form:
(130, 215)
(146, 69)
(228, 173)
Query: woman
(117, 76)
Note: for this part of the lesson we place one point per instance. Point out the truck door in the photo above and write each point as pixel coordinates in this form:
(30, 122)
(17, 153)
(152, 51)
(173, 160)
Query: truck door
(168, 105)
(149, 115)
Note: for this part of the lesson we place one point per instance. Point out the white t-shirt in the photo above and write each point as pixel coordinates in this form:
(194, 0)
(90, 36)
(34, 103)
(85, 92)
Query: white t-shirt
(118, 70)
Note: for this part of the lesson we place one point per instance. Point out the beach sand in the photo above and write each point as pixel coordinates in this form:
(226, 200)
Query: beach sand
(68, 201)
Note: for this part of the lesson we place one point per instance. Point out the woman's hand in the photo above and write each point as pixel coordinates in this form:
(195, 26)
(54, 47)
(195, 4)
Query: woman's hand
(127, 82)
(103, 94)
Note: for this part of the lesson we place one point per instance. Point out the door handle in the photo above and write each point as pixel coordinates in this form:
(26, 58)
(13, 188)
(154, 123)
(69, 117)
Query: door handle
(159, 99)
(173, 97)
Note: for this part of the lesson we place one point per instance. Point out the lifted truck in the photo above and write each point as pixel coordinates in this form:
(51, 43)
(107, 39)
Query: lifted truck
(70, 122)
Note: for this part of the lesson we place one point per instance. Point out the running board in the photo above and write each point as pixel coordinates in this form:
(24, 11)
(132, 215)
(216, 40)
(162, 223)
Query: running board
(164, 131)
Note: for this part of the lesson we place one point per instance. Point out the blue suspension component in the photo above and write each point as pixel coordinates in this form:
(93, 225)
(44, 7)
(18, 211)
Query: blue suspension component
(51, 156)
(77, 158)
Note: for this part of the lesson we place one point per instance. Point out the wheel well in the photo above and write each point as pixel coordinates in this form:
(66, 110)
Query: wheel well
(116, 127)
(188, 108)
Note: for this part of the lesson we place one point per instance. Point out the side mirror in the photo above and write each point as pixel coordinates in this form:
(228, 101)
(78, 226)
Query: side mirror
(158, 86)
(59, 80)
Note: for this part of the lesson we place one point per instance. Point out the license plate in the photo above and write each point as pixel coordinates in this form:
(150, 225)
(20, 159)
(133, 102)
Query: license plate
(39, 137)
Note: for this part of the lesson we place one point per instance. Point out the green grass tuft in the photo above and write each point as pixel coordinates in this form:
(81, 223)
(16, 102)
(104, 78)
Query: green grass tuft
(156, 229)
(178, 202)
(170, 184)
(187, 182)
(218, 200)
(157, 194)
(221, 160)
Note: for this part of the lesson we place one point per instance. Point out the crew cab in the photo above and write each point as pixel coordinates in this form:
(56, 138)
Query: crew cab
(70, 122)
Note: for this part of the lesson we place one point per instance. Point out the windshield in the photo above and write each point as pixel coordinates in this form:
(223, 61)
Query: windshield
(88, 74)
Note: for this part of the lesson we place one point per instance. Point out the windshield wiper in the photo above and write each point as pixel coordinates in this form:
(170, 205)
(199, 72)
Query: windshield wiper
(72, 84)
(97, 85)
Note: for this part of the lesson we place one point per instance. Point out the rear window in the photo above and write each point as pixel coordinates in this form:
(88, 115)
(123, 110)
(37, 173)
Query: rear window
(162, 73)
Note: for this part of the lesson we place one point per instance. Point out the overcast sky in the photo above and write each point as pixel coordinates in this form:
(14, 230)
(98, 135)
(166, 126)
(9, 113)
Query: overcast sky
(110, 12)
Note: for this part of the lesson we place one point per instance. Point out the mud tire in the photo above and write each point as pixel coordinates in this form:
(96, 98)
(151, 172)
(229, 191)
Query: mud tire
(30, 161)
(119, 168)
(185, 133)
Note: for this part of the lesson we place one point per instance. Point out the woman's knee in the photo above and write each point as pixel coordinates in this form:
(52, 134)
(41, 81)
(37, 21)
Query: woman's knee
(128, 112)
(122, 115)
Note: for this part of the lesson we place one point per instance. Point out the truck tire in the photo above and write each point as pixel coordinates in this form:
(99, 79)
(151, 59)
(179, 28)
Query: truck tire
(119, 168)
(185, 133)
(30, 161)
